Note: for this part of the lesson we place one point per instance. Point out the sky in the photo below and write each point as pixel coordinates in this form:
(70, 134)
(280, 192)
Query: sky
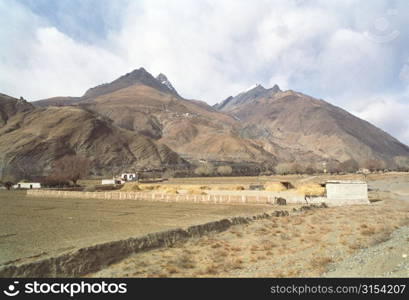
(353, 54)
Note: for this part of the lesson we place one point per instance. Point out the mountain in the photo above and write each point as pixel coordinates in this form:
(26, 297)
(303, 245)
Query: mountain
(296, 122)
(253, 93)
(136, 77)
(150, 106)
(31, 139)
(56, 101)
(260, 125)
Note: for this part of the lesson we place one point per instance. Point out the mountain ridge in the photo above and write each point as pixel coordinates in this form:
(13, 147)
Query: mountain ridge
(257, 125)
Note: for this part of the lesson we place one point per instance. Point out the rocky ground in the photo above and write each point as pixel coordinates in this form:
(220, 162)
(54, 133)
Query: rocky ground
(387, 259)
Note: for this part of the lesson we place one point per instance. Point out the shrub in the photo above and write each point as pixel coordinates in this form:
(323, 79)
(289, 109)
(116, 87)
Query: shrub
(169, 173)
(373, 165)
(90, 188)
(8, 181)
(310, 169)
(402, 163)
(205, 170)
(71, 168)
(224, 170)
(54, 182)
(283, 168)
(8, 185)
(333, 167)
(349, 166)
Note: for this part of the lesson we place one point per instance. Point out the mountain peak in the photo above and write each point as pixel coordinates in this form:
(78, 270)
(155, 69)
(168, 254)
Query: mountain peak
(164, 80)
(276, 89)
(254, 87)
(137, 76)
(252, 93)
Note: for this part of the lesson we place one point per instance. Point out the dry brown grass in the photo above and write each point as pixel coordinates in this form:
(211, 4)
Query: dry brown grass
(300, 245)
(368, 231)
(321, 263)
(131, 187)
(212, 269)
(216, 245)
(185, 261)
(311, 189)
(275, 187)
(172, 269)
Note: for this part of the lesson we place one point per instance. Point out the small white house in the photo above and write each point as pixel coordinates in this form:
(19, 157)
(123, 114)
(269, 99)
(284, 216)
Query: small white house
(348, 192)
(129, 176)
(111, 181)
(27, 185)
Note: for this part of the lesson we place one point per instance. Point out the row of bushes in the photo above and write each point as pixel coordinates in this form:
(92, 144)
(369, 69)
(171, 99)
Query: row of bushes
(349, 166)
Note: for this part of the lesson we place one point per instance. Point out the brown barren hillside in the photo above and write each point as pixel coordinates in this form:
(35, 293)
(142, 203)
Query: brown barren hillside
(259, 125)
(191, 128)
(298, 122)
(34, 138)
(56, 101)
(10, 106)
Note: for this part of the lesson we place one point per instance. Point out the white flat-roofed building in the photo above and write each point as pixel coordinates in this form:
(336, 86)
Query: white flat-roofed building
(27, 185)
(111, 181)
(348, 192)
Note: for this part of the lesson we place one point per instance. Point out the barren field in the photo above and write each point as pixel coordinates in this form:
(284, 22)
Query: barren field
(34, 228)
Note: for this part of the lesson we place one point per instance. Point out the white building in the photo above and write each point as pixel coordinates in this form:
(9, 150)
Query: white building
(112, 181)
(129, 176)
(347, 192)
(27, 185)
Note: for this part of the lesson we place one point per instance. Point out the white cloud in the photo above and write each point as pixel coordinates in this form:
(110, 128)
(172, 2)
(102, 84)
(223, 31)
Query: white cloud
(388, 114)
(212, 49)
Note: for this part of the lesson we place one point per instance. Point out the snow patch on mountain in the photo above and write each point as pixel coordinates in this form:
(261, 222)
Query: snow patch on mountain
(164, 80)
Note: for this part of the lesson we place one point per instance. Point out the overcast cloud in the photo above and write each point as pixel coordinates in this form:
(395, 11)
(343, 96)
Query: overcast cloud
(353, 54)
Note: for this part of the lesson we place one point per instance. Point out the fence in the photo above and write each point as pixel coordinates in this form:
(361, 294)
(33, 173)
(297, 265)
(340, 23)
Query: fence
(242, 197)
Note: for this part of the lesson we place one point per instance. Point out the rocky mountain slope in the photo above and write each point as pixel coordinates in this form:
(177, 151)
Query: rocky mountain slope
(56, 101)
(136, 77)
(299, 122)
(31, 139)
(10, 106)
(151, 106)
(260, 125)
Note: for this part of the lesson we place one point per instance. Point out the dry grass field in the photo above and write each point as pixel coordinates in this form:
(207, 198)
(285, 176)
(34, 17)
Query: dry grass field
(295, 246)
(305, 245)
